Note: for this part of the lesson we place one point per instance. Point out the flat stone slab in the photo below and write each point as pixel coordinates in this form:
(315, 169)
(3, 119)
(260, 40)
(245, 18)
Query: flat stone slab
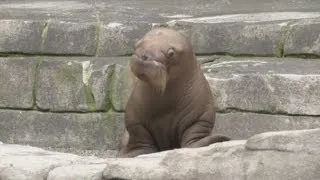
(266, 85)
(76, 84)
(240, 125)
(273, 155)
(17, 79)
(70, 38)
(91, 131)
(23, 36)
(229, 160)
(26, 162)
(303, 38)
(97, 28)
(257, 34)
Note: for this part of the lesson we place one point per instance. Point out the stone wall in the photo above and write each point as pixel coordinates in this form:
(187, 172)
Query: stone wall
(64, 81)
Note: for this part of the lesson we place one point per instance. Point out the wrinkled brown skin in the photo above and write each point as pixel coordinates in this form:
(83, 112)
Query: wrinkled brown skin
(171, 105)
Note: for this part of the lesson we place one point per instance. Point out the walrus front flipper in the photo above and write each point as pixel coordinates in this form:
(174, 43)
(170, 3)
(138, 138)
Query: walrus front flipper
(206, 141)
(137, 140)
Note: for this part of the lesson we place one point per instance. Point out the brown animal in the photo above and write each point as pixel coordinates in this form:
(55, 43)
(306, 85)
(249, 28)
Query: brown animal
(171, 105)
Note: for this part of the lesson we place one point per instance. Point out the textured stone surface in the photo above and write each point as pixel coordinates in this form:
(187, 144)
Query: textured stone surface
(76, 84)
(306, 141)
(20, 36)
(122, 85)
(100, 131)
(244, 125)
(118, 39)
(235, 38)
(141, 10)
(61, 86)
(284, 155)
(99, 81)
(80, 27)
(70, 38)
(266, 85)
(303, 38)
(75, 172)
(17, 77)
(25, 162)
(228, 160)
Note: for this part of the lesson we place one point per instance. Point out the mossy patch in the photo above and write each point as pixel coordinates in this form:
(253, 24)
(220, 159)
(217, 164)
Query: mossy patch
(36, 82)
(44, 34)
(279, 49)
(89, 99)
(109, 85)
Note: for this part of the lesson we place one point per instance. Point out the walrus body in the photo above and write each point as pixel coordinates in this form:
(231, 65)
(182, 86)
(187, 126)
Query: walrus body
(171, 105)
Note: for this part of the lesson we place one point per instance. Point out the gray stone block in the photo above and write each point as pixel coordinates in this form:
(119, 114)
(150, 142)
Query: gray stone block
(109, 83)
(99, 131)
(290, 141)
(75, 172)
(99, 81)
(20, 36)
(118, 39)
(70, 38)
(303, 38)
(239, 125)
(63, 86)
(266, 85)
(122, 86)
(227, 160)
(26, 162)
(233, 37)
(17, 78)
(76, 84)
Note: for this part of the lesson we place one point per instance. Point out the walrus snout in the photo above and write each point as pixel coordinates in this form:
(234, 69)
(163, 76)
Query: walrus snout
(150, 71)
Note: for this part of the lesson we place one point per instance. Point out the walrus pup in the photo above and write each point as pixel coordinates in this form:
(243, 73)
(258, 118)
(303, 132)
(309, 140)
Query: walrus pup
(171, 105)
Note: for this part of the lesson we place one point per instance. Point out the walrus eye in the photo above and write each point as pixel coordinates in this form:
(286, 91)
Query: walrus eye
(170, 53)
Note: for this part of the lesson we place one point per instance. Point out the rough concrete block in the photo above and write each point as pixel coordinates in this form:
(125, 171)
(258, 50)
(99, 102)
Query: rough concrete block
(70, 38)
(239, 125)
(234, 38)
(63, 130)
(20, 36)
(118, 39)
(26, 162)
(266, 85)
(63, 86)
(122, 86)
(99, 80)
(17, 78)
(303, 38)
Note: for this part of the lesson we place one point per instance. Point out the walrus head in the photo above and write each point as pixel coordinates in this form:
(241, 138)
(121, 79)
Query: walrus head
(162, 55)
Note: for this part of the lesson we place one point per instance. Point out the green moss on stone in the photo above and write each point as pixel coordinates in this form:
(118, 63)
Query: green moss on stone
(89, 98)
(109, 85)
(44, 34)
(279, 49)
(36, 82)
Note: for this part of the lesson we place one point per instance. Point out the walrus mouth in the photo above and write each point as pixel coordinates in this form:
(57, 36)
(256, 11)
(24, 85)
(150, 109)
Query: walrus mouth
(150, 71)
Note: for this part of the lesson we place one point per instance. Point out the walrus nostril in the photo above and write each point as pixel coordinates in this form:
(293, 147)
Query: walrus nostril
(144, 57)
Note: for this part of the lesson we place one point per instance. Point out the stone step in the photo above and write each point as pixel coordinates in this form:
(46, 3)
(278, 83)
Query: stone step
(63, 131)
(82, 84)
(268, 85)
(78, 102)
(96, 28)
(273, 155)
(100, 133)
